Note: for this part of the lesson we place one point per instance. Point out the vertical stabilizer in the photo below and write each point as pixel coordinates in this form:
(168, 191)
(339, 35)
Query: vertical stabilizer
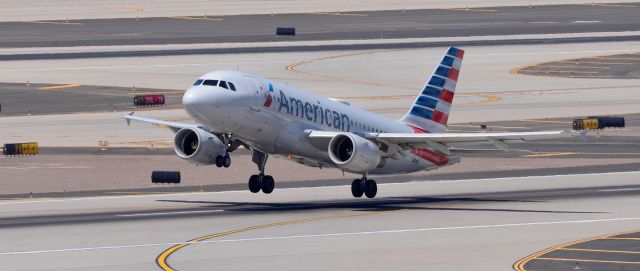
(430, 111)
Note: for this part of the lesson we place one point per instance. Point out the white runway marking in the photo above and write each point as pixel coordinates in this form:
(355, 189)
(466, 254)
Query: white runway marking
(305, 188)
(585, 22)
(621, 189)
(171, 213)
(470, 227)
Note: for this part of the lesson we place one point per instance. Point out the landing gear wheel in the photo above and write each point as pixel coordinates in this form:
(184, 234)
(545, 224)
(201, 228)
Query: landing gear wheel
(226, 161)
(255, 183)
(219, 161)
(357, 188)
(268, 184)
(370, 188)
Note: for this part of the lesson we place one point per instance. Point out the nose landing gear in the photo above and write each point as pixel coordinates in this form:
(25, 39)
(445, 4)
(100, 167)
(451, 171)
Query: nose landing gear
(223, 161)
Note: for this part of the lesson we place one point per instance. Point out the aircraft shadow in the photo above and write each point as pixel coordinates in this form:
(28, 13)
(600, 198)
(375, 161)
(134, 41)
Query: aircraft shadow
(383, 204)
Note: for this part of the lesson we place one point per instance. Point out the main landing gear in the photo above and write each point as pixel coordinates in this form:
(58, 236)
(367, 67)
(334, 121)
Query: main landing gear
(364, 186)
(263, 182)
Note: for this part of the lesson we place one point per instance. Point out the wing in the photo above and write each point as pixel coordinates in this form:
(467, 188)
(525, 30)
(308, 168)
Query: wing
(174, 126)
(441, 141)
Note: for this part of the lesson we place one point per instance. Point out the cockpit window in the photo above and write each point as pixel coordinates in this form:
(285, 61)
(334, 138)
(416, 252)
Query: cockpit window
(210, 83)
(231, 86)
(223, 84)
(198, 82)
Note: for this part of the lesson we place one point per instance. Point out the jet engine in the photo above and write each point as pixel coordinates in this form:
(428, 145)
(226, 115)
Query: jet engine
(354, 153)
(198, 146)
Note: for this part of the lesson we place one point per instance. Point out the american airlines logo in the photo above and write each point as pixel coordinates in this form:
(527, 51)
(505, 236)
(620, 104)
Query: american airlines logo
(269, 100)
(313, 112)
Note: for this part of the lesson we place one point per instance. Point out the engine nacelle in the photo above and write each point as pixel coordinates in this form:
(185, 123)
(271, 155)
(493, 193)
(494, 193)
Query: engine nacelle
(198, 146)
(354, 153)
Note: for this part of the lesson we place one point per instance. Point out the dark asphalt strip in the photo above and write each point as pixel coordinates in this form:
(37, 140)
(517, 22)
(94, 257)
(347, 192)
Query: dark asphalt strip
(312, 48)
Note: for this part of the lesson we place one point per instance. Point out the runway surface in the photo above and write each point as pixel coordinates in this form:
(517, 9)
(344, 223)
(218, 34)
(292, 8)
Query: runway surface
(325, 26)
(493, 223)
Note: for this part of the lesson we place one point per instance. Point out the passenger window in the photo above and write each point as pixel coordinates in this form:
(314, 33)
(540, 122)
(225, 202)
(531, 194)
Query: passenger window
(210, 83)
(223, 84)
(231, 86)
(198, 82)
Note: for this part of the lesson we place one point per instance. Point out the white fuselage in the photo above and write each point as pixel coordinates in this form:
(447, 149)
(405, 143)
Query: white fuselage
(273, 117)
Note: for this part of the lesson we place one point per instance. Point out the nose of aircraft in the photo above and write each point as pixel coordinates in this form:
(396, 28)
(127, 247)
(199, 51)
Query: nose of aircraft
(195, 98)
(189, 97)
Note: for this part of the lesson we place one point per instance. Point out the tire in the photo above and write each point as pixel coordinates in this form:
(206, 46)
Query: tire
(254, 184)
(226, 161)
(356, 188)
(268, 184)
(219, 161)
(370, 188)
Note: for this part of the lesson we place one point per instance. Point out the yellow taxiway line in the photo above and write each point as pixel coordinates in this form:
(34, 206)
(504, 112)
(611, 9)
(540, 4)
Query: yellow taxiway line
(472, 9)
(601, 250)
(584, 260)
(519, 265)
(52, 22)
(573, 67)
(161, 260)
(545, 121)
(339, 14)
(609, 5)
(155, 93)
(622, 238)
(60, 87)
(204, 18)
(548, 154)
(487, 98)
(596, 62)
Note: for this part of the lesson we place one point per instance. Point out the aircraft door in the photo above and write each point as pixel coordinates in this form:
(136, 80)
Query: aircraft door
(256, 91)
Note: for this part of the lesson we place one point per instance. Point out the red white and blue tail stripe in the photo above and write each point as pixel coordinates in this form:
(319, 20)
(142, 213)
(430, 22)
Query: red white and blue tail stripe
(430, 111)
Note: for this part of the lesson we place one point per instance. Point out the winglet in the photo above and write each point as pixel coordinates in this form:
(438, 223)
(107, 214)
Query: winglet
(128, 119)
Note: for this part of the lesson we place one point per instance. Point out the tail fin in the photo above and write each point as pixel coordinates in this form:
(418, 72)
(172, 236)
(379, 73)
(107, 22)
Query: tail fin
(430, 111)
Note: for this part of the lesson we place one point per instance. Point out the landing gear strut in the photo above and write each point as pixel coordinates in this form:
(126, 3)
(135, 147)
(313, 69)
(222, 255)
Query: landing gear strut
(261, 181)
(364, 186)
(225, 160)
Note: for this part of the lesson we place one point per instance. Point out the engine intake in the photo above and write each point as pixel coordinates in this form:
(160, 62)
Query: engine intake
(198, 146)
(354, 153)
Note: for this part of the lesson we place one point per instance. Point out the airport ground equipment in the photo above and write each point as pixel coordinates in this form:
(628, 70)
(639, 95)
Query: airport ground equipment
(12, 149)
(168, 177)
(598, 123)
(149, 100)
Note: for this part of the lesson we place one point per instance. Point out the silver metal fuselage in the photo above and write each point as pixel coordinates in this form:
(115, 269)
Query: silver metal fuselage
(273, 117)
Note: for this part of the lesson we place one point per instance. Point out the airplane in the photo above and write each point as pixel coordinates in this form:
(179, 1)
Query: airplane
(234, 109)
